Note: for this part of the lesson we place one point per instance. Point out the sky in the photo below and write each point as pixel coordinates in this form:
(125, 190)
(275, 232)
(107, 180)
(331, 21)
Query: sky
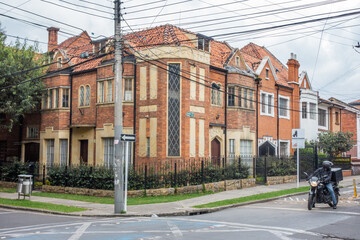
(325, 49)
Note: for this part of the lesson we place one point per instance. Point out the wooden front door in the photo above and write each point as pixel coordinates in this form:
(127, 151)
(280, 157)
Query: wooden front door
(215, 151)
(83, 151)
(32, 152)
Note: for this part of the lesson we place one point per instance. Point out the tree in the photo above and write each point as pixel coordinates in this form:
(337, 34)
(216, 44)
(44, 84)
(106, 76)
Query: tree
(17, 96)
(335, 143)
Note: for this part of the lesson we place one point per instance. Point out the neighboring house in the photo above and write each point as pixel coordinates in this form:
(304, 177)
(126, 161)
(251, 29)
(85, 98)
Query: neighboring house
(278, 99)
(308, 108)
(349, 122)
(329, 115)
(174, 99)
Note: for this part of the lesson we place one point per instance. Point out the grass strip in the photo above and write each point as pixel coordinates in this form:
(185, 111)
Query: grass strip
(7, 190)
(255, 197)
(40, 205)
(130, 201)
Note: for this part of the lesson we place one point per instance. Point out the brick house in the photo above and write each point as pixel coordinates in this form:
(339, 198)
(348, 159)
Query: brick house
(174, 99)
(278, 99)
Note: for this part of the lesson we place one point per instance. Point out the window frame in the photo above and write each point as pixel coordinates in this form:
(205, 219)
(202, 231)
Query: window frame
(132, 89)
(312, 113)
(81, 96)
(268, 106)
(304, 113)
(322, 116)
(287, 108)
(231, 97)
(65, 98)
(29, 131)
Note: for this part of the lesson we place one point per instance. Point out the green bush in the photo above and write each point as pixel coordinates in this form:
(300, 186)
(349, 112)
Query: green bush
(10, 172)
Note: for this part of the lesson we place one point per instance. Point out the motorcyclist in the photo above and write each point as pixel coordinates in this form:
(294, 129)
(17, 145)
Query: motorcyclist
(325, 172)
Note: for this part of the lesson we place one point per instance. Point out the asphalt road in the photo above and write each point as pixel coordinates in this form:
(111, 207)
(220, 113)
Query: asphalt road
(286, 218)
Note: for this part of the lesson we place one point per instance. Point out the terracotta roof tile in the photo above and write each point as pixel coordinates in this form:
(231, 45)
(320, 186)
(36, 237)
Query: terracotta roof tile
(219, 53)
(253, 54)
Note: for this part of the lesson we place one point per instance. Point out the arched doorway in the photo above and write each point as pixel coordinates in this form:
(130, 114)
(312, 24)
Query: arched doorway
(267, 149)
(215, 151)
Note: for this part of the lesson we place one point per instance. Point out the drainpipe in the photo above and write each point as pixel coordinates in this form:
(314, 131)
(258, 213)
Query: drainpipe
(226, 75)
(257, 82)
(134, 127)
(278, 120)
(70, 122)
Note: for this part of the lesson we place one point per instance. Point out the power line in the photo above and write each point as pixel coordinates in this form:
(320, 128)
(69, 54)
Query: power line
(147, 9)
(96, 4)
(144, 4)
(77, 10)
(78, 5)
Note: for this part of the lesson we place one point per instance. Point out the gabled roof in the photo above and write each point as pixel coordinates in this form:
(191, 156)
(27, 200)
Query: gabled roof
(303, 76)
(254, 55)
(262, 65)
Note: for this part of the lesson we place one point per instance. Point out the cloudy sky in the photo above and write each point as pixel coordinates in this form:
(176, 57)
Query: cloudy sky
(312, 29)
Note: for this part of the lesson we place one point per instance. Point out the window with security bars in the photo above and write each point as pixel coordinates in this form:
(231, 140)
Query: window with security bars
(231, 97)
(63, 152)
(284, 146)
(33, 132)
(313, 111)
(82, 92)
(56, 98)
(128, 90)
(322, 117)
(108, 152)
(49, 152)
(304, 110)
(109, 91)
(87, 95)
(174, 109)
(65, 97)
(283, 111)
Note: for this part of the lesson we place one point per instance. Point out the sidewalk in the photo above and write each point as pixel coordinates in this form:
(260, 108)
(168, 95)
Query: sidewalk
(183, 207)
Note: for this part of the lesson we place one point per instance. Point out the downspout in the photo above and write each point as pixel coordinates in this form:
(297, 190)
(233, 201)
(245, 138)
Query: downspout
(226, 75)
(134, 122)
(257, 81)
(70, 117)
(278, 120)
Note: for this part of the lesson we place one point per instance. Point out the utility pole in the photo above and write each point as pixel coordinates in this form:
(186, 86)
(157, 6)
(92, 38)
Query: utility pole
(118, 122)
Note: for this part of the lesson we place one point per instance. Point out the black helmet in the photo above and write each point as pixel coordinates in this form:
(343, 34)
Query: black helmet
(327, 164)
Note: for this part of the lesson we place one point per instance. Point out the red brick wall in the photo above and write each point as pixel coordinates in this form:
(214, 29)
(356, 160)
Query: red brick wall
(349, 124)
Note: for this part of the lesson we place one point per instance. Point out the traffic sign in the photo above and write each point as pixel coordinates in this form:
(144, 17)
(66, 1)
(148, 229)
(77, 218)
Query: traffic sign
(127, 137)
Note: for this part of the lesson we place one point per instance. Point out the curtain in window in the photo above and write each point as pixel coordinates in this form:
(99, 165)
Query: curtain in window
(128, 90)
(87, 100)
(109, 91)
(101, 92)
(50, 152)
(63, 152)
(108, 152)
(81, 96)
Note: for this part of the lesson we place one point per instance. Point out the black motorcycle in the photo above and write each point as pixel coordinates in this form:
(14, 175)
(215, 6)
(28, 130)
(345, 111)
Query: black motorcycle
(319, 192)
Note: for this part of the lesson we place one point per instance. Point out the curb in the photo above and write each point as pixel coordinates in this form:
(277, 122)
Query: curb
(190, 212)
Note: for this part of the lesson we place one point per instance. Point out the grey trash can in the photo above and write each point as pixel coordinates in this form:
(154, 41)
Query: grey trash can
(24, 186)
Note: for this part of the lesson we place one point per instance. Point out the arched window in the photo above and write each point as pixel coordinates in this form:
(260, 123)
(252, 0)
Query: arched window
(81, 96)
(87, 96)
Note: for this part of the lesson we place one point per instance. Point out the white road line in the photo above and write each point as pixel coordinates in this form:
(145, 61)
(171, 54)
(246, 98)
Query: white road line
(291, 199)
(305, 210)
(77, 235)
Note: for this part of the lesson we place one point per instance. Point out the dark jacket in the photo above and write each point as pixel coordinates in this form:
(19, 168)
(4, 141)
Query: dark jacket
(321, 172)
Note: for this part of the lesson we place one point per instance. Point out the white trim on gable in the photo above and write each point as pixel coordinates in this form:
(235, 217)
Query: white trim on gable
(262, 65)
(303, 76)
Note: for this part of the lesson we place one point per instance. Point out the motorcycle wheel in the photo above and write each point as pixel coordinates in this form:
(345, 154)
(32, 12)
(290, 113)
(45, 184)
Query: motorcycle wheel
(310, 202)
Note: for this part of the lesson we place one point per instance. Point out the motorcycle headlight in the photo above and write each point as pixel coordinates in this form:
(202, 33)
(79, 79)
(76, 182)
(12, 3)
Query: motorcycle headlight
(313, 183)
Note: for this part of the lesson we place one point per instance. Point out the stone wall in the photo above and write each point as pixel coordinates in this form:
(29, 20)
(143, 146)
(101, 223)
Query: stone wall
(212, 187)
(281, 179)
(8, 184)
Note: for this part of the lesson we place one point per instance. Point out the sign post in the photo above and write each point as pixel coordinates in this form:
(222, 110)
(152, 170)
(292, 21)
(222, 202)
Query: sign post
(298, 142)
(127, 138)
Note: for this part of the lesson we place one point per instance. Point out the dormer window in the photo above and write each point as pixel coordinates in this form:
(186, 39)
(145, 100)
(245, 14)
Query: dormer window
(237, 61)
(100, 47)
(204, 44)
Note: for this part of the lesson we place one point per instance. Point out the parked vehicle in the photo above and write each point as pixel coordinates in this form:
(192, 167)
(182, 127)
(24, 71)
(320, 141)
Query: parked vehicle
(318, 191)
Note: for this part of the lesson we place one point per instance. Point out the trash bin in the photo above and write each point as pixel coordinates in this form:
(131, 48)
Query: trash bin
(24, 186)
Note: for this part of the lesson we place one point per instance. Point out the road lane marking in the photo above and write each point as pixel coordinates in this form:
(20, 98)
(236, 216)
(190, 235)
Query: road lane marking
(78, 233)
(305, 210)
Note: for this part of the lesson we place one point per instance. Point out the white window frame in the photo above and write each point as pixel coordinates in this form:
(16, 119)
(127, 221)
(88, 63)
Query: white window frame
(108, 149)
(267, 104)
(312, 114)
(287, 107)
(287, 149)
(63, 156)
(126, 99)
(267, 71)
(326, 119)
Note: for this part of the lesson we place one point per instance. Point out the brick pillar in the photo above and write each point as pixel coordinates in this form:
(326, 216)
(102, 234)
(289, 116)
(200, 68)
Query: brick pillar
(293, 78)
(53, 38)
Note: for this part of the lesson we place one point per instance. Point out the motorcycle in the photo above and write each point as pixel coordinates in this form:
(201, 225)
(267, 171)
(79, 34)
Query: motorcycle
(319, 193)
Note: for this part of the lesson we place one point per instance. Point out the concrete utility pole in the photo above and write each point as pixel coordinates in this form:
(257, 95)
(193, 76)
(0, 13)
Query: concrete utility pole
(118, 146)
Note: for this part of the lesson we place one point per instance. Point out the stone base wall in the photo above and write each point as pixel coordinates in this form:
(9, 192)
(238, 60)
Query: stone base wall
(213, 187)
(8, 184)
(281, 179)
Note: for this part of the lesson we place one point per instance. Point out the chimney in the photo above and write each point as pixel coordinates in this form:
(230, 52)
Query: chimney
(53, 38)
(293, 65)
